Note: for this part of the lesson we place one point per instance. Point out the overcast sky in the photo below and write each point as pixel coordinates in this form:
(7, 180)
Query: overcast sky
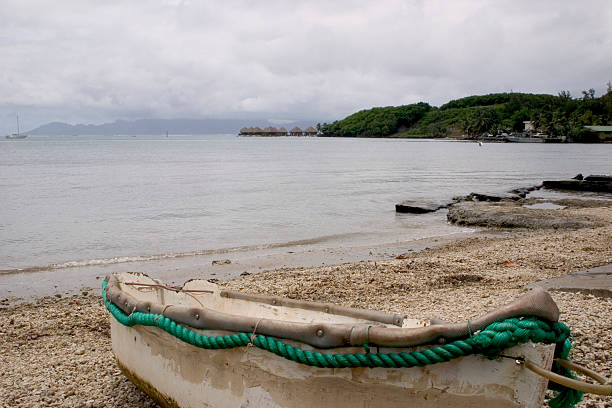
(91, 61)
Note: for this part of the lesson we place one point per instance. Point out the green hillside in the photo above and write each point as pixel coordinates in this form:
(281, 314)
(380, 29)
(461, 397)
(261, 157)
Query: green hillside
(377, 122)
(559, 115)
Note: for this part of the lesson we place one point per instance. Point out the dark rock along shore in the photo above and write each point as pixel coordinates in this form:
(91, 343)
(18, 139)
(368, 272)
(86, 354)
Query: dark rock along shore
(592, 183)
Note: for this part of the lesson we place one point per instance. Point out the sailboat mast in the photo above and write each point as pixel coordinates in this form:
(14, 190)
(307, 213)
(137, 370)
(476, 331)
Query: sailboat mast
(17, 124)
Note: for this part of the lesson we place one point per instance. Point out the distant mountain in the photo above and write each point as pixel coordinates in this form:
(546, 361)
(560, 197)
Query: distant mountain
(160, 127)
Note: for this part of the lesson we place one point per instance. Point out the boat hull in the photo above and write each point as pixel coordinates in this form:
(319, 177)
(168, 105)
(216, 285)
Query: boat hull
(177, 374)
(515, 139)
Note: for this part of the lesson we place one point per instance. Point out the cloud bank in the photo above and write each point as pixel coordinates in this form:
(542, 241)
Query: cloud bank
(93, 61)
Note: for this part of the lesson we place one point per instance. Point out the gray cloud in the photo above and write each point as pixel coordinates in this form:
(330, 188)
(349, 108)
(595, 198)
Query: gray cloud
(92, 61)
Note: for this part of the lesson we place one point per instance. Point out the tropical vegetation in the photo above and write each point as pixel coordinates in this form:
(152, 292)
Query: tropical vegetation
(555, 115)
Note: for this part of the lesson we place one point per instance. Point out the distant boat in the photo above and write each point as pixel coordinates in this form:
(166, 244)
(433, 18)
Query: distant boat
(16, 135)
(522, 138)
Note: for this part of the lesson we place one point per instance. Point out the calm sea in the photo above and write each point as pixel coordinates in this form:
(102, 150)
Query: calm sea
(78, 201)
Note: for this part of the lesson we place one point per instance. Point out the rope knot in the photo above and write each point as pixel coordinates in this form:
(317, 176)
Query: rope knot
(252, 339)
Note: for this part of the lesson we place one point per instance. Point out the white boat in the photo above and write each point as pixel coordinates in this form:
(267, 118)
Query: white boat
(16, 135)
(160, 334)
(524, 138)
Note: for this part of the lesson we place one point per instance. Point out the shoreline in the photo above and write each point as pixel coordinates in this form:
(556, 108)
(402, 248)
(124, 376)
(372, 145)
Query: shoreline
(57, 351)
(31, 285)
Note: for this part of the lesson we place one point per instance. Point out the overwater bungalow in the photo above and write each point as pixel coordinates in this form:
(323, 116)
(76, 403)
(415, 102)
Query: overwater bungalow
(269, 131)
(296, 131)
(310, 131)
(272, 131)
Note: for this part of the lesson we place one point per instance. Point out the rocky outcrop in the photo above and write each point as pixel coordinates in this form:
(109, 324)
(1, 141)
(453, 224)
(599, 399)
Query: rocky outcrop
(415, 207)
(493, 197)
(419, 207)
(594, 183)
(523, 191)
(607, 179)
(595, 281)
(512, 216)
(512, 195)
(579, 185)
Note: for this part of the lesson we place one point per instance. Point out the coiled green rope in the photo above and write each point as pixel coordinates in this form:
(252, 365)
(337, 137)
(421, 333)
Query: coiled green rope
(488, 342)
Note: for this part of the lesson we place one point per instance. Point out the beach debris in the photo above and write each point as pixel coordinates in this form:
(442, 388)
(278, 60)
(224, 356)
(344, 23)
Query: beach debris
(221, 261)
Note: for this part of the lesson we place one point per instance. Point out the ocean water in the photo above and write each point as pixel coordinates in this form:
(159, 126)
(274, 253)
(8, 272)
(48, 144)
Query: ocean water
(77, 201)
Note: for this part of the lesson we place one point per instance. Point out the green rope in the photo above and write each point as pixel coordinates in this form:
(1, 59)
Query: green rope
(488, 342)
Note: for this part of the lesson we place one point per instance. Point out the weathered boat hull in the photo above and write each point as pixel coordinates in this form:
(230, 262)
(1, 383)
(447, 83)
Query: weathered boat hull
(177, 374)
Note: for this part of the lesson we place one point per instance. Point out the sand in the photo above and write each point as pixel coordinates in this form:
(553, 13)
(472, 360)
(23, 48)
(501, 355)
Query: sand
(57, 351)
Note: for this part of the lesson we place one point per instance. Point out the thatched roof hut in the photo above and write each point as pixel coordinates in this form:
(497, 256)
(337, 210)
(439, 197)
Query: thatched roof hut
(310, 131)
(269, 131)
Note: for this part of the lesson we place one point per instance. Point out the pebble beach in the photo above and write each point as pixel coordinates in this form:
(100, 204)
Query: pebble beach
(56, 351)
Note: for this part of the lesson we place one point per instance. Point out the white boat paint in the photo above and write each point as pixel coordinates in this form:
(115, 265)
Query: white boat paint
(178, 374)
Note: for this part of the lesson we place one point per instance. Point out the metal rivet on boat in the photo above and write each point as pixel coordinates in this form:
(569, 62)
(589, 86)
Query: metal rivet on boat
(320, 333)
(327, 310)
(274, 301)
(197, 316)
(441, 340)
(149, 308)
